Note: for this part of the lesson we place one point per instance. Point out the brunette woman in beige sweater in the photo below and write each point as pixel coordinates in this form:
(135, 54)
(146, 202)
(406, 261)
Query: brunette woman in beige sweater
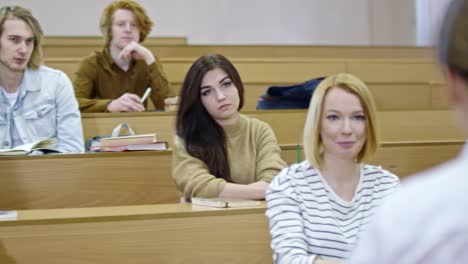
(219, 152)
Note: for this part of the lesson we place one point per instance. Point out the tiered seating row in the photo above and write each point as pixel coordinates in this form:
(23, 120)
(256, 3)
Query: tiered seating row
(412, 142)
(176, 47)
(397, 84)
(395, 126)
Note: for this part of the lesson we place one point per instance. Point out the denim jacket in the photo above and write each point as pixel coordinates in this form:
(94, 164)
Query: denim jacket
(46, 107)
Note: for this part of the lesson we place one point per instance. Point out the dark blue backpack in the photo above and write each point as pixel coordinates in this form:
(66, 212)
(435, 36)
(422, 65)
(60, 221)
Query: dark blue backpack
(288, 97)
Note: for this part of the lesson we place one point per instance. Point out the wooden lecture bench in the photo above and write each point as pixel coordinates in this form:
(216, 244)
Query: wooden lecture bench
(288, 125)
(166, 233)
(397, 84)
(177, 47)
(163, 233)
(135, 178)
(59, 46)
(86, 180)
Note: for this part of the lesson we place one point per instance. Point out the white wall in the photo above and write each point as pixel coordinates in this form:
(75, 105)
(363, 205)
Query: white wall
(392, 22)
(429, 15)
(327, 22)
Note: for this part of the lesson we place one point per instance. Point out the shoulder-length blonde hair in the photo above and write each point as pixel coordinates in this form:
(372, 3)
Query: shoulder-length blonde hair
(144, 23)
(18, 12)
(312, 139)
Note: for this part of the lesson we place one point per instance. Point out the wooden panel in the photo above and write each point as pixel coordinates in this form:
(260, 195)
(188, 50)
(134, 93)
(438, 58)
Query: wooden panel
(264, 70)
(295, 51)
(251, 71)
(68, 65)
(54, 47)
(409, 71)
(134, 178)
(293, 70)
(60, 41)
(388, 97)
(402, 96)
(162, 123)
(287, 71)
(173, 49)
(252, 92)
(439, 96)
(288, 125)
(94, 179)
(290, 156)
(418, 126)
(407, 159)
(174, 233)
(413, 80)
(402, 159)
(139, 234)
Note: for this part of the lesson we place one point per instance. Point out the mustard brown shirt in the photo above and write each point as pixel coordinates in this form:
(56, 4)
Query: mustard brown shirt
(99, 80)
(253, 154)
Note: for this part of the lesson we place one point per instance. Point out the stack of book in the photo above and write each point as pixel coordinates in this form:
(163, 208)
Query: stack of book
(128, 143)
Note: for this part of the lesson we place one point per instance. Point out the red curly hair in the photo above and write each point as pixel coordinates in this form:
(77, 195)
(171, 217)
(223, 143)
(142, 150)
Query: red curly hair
(143, 21)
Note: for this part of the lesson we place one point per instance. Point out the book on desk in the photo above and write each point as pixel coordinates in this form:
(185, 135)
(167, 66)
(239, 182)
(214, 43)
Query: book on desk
(41, 146)
(224, 203)
(8, 215)
(128, 143)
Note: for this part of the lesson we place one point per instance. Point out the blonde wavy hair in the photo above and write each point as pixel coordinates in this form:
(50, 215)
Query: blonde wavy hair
(312, 140)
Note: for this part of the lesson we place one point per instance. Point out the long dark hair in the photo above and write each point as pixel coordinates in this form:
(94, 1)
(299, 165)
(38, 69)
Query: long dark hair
(203, 137)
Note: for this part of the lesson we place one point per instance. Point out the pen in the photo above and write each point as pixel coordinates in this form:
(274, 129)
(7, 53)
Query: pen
(147, 92)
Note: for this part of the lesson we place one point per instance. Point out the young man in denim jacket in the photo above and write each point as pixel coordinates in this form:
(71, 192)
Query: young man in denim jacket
(36, 102)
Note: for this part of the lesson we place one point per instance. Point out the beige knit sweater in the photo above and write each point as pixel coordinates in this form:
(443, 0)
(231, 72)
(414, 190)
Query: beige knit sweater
(253, 153)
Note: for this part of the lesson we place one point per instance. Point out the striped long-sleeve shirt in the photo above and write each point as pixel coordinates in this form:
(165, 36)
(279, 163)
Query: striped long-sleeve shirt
(307, 218)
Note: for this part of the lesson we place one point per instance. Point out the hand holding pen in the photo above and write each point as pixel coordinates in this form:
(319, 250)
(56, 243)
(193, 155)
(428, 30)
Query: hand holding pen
(128, 102)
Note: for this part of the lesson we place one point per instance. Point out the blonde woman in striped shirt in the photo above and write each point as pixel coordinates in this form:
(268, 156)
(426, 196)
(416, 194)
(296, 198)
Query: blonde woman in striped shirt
(318, 208)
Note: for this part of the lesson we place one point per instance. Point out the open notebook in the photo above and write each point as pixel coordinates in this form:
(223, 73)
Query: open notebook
(223, 203)
(45, 145)
(8, 215)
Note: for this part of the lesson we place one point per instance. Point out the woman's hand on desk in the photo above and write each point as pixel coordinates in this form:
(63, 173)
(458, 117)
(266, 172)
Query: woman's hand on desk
(253, 191)
(260, 184)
